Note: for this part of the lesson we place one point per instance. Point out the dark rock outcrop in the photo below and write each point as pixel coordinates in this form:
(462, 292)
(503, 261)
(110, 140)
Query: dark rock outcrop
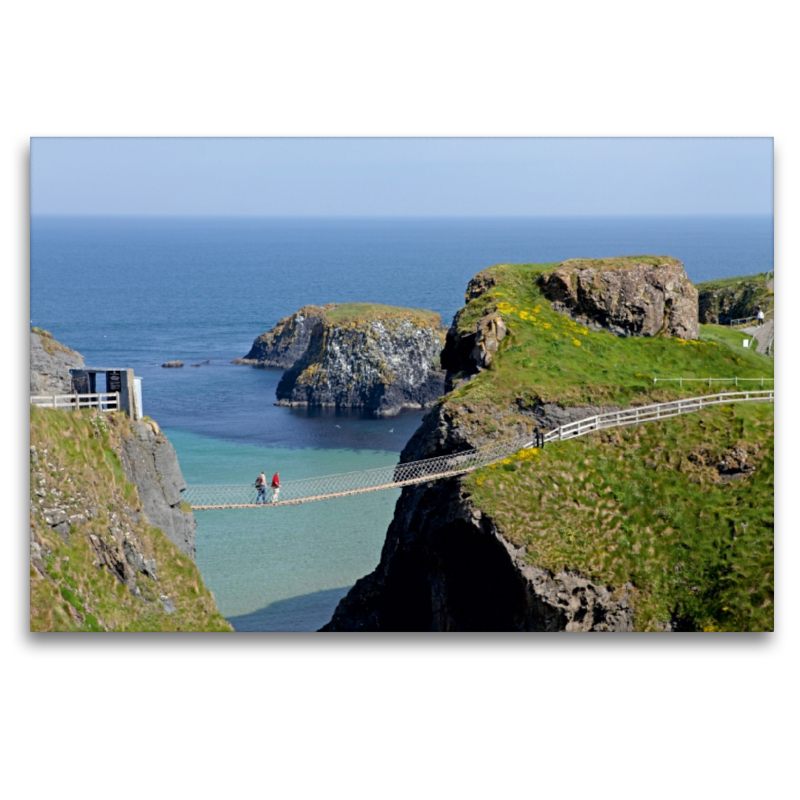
(720, 302)
(51, 362)
(631, 296)
(149, 461)
(445, 567)
(287, 342)
(382, 362)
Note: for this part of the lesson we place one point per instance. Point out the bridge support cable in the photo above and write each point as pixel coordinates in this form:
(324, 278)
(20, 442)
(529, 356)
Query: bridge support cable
(390, 477)
(209, 497)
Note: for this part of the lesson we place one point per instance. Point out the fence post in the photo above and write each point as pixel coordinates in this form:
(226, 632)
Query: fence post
(762, 383)
(680, 382)
(709, 383)
(736, 381)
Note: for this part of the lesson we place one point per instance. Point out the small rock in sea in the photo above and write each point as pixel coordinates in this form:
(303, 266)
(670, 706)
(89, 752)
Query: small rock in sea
(170, 364)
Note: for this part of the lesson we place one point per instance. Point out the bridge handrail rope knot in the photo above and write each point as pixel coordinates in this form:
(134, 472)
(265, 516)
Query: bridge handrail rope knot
(428, 469)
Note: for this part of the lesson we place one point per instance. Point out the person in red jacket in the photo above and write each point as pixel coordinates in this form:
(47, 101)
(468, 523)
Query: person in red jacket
(276, 487)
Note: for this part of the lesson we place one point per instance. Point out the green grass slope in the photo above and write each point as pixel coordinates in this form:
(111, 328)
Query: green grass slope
(649, 505)
(77, 467)
(681, 509)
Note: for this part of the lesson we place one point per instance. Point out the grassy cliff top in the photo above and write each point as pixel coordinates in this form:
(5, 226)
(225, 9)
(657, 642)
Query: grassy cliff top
(651, 505)
(50, 345)
(734, 298)
(77, 467)
(724, 283)
(619, 262)
(338, 313)
(548, 357)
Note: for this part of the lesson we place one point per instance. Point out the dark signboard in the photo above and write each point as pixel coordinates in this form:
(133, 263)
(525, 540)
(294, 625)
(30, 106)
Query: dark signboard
(114, 381)
(80, 383)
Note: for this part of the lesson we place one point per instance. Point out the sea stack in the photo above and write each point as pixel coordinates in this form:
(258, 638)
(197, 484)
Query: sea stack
(377, 358)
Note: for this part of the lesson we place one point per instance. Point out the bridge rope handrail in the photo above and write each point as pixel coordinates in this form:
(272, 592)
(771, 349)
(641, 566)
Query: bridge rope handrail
(205, 497)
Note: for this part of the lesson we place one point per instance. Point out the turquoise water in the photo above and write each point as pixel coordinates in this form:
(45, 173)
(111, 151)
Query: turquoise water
(284, 568)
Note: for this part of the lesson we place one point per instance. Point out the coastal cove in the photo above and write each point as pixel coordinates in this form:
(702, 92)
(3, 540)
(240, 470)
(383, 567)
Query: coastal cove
(140, 292)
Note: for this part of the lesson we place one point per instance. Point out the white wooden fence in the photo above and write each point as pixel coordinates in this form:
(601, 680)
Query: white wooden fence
(639, 414)
(105, 401)
(709, 381)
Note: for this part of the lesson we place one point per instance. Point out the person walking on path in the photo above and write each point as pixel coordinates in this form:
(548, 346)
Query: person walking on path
(276, 487)
(261, 488)
(760, 316)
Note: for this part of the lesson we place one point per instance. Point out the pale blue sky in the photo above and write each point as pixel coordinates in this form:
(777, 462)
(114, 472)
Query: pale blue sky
(402, 177)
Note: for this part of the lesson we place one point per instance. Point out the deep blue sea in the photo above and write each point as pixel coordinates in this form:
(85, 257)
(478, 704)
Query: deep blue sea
(137, 291)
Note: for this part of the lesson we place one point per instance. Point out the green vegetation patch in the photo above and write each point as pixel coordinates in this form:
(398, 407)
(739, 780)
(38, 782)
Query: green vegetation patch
(662, 505)
(350, 312)
(77, 469)
(50, 345)
(547, 357)
(619, 262)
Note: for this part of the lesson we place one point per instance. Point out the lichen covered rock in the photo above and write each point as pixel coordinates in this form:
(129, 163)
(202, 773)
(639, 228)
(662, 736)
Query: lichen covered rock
(284, 344)
(382, 360)
(149, 460)
(630, 296)
(51, 362)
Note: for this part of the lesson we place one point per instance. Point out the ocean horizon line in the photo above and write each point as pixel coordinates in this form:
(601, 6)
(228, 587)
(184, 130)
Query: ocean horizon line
(399, 217)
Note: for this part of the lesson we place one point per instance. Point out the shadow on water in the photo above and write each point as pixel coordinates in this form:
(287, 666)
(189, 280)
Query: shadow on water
(308, 612)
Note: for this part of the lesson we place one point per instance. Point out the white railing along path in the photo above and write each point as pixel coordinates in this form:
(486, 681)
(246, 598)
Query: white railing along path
(105, 401)
(709, 381)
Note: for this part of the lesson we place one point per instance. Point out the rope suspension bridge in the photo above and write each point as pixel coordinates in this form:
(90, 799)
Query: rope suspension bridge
(208, 497)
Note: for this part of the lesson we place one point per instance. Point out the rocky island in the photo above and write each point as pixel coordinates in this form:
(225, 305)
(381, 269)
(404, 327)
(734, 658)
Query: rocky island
(112, 544)
(666, 526)
(378, 358)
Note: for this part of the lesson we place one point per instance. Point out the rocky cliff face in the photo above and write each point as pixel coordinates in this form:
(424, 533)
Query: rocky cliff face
(380, 361)
(444, 564)
(722, 301)
(632, 296)
(446, 567)
(98, 561)
(51, 362)
(286, 343)
(149, 461)
(148, 458)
